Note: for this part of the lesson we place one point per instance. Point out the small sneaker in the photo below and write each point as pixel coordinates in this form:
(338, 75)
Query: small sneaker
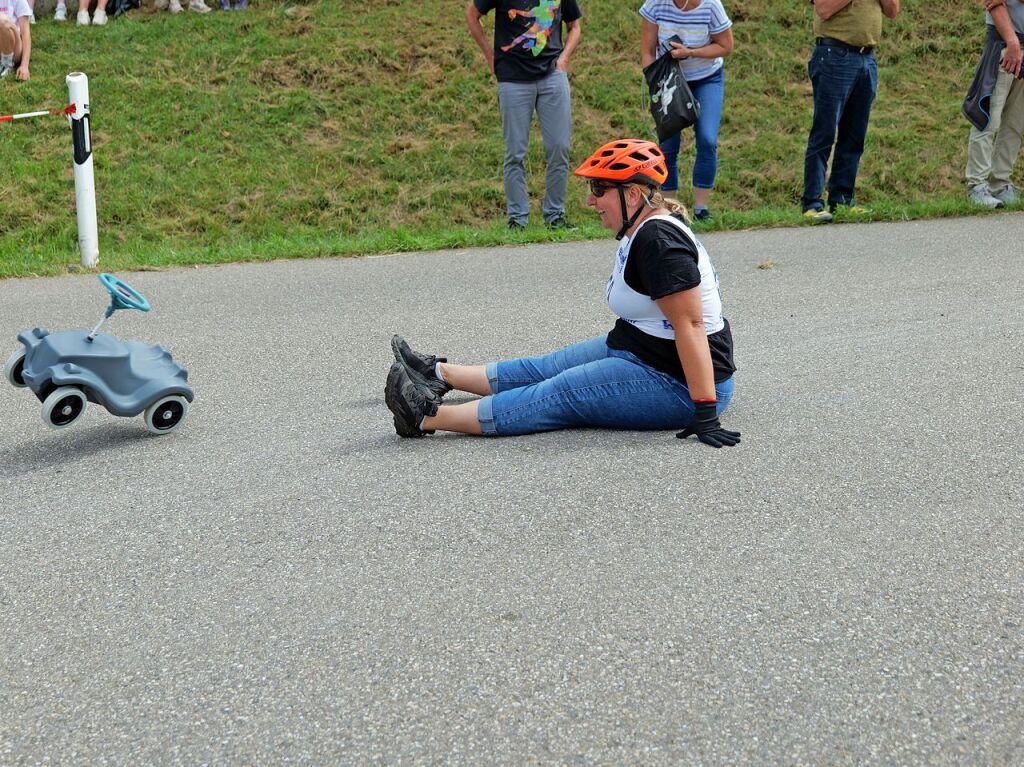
(980, 195)
(515, 226)
(198, 6)
(83, 18)
(174, 6)
(61, 14)
(409, 403)
(702, 215)
(225, 5)
(560, 223)
(420, 367)
(99, 18)
(1008, 195)
(241, 5)
(5, 69)
(816, 216)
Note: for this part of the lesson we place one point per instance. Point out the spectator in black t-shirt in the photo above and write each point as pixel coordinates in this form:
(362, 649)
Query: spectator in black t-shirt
(532, 68)
(667, 363)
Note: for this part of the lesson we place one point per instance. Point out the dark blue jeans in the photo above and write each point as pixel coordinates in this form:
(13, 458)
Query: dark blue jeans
(845, 83)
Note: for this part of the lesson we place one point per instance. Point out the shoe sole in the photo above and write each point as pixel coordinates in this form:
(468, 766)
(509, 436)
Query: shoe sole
(397, 405)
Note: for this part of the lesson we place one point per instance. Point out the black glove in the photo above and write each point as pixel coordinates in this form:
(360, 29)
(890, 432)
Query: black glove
(707, 428)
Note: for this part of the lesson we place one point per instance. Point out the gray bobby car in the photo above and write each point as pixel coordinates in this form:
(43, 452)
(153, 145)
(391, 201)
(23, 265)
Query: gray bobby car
(123, 377)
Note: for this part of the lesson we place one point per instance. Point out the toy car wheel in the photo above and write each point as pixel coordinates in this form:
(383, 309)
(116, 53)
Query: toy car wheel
(14, 368)
(63, 407)
(167, 414)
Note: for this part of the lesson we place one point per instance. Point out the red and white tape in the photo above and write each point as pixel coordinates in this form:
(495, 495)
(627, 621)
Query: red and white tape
(68, 110)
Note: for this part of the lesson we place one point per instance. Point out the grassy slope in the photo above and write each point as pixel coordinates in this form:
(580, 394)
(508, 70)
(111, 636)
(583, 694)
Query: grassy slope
(340, 127)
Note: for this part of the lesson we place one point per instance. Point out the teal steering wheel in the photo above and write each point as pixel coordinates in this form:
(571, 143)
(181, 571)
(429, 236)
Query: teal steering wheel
(122, 295)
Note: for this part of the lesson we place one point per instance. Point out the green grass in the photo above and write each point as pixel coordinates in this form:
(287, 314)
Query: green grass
(337, 128)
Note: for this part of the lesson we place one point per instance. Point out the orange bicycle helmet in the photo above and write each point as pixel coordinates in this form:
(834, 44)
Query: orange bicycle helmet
(626, 161)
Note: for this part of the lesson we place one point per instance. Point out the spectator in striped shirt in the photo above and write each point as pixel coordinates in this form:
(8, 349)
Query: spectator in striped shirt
(704, 34)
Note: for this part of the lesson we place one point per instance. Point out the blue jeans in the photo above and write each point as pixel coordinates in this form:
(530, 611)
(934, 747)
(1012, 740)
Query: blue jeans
(518, 101)
(710, 92)
(845, 83)
(586, 384)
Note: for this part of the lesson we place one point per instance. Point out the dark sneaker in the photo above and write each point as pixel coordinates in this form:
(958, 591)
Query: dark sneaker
(420, 367)
(515, 226)
(409, 403)
(560, 223)
(702, 215)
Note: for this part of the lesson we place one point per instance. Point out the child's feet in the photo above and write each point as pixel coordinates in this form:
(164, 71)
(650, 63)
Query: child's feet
(61, 14)
(198, 6)
(175, 6)
(225, 5)
(83, 18)
(241, 5)
(99, 18)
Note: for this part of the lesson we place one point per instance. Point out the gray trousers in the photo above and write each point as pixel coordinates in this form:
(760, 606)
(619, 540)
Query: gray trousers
(550, 98)
(992, 152)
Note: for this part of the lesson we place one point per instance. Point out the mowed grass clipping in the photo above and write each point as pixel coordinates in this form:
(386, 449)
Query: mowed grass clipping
(336, 128)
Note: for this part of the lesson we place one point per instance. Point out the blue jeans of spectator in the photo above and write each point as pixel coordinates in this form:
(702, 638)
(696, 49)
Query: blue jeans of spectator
(549, 97)
(586, 384)
(845, 83)
(710, 92)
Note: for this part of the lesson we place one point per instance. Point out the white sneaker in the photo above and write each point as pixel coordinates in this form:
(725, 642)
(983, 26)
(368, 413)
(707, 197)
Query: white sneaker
(175, 7)
(5, 69)
(99, 18)
(83, 18)
(61, 14)
(1008, 195)
(979, 195)
(199, 6)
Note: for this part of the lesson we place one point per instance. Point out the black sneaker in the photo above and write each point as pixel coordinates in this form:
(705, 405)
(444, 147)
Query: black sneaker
(420, 368)
(515, 226)
(702, 215)
(409, 403)
(560, 223)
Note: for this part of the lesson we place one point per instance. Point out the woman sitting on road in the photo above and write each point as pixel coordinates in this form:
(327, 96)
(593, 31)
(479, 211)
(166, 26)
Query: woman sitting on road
(667, 363)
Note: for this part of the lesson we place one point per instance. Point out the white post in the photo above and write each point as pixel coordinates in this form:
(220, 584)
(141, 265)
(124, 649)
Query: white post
(85, 185)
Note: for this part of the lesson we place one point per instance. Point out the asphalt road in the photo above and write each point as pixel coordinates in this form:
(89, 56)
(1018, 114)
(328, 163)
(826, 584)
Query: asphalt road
(285, 581)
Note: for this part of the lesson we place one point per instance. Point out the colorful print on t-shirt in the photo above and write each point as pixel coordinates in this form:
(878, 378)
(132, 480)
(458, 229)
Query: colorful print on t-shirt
(536, 37)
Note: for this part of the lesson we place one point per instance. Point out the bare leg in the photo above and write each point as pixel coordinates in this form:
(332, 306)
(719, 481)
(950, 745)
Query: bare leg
(8, 36)
(462, 418)
(471, 378)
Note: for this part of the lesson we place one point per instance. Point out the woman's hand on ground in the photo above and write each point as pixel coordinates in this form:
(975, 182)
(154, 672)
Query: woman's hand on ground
(706, 427)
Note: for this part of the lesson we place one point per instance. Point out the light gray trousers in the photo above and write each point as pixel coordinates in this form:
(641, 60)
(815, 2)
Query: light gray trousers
(550, 98)
(992, 152)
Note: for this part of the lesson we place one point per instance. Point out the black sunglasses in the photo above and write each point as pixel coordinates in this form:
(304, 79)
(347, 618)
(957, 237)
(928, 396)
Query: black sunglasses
(598, 188)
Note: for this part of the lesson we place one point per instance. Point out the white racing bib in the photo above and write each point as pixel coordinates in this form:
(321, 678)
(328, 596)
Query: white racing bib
(640, 310)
